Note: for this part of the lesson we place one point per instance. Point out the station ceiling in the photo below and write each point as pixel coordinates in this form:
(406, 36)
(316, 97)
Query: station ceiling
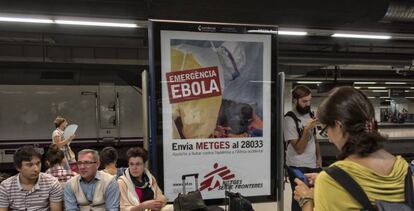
(312, 57)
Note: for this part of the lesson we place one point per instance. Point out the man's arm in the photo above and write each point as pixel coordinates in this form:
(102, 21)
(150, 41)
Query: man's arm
(318, 153)
(70, 199)
(300, 144)
(112, 196)
(56, 196)
(4, 198)
(291, 134)
(55, 206)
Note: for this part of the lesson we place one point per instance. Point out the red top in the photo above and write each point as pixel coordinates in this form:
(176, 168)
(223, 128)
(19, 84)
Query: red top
(139, 193)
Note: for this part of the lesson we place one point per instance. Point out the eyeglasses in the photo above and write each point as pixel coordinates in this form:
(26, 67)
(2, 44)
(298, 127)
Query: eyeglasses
(87, 163)
(135, 164)
(324, 132)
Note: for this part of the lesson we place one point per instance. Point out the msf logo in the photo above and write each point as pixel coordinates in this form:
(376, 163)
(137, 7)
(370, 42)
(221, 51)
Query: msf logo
(216, 177)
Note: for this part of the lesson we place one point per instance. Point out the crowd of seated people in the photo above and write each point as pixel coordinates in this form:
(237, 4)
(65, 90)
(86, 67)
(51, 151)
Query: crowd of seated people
(60, 188)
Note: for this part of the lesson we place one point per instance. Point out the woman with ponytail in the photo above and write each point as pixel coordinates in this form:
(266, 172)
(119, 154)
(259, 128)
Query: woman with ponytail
(348, 118)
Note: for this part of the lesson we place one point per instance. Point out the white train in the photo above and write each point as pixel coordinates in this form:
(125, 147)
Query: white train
(107, 109)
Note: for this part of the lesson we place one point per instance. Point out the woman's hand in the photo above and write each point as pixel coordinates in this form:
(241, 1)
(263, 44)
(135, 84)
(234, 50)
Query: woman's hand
(154, 205)
(72, 137)
(311, 178)
(302, 190)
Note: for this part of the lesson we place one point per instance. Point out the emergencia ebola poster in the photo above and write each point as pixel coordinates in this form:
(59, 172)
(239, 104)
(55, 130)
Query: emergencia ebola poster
(216, 112)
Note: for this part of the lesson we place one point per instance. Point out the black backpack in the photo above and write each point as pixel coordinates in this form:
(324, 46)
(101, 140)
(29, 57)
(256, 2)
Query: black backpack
(292, 115)
(356, 191)
(237, 202)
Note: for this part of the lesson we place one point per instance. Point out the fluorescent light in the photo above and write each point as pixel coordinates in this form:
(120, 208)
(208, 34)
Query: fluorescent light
(293, 33)
(396, 83)
(262, 31)
(411, 87)
(377, 87)
(308, 82)
(372, 97)
(409, 97)
(379, 90)
(357, 87)
(362, 36)
(94, 23)
(25, 20)
(365, 82)
(281, 32)
(384, 97)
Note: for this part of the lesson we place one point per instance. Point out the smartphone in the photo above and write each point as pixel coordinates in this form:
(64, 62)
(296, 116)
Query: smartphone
(299, 174)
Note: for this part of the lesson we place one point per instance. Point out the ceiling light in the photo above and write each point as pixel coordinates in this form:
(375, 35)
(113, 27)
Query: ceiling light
(411, 87)
(357, 87)
(409, 97)
(25, 20)
(396, 83)
(372, 97)
(384, 97)
(94, 23)
(308, 82)
(281, 32)
(365, 82)
(379, 90)
(293, 33)
(377, 87)
(362, 36)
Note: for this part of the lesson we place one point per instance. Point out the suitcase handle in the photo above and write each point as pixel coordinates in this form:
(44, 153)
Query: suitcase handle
(190, 175)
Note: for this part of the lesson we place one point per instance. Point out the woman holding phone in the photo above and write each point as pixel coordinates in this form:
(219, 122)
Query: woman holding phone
(348, 117)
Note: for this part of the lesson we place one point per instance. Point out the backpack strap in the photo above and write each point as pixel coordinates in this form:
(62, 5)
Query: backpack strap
(350, 186)
(408, 188)
(296, 119)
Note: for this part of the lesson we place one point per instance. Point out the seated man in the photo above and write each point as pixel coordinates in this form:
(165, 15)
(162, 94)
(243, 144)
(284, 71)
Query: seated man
(30, 189)
(91, 189)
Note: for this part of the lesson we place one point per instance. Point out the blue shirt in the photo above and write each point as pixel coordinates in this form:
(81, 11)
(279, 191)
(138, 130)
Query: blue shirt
(111, 194)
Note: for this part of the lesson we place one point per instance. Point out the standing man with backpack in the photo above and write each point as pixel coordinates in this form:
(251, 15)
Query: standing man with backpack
(302, 149)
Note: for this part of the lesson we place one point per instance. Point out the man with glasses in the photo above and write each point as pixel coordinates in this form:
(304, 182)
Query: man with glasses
(30, 189)
(91, 189)
(302, 151)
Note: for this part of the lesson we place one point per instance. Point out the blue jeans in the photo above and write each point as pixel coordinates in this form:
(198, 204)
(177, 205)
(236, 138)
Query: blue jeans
(295, 206)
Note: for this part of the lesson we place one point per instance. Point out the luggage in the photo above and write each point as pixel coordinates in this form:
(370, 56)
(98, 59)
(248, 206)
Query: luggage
(192, 201)
(236, 202)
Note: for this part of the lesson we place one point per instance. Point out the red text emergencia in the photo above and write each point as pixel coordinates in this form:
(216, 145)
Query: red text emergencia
(193, 84)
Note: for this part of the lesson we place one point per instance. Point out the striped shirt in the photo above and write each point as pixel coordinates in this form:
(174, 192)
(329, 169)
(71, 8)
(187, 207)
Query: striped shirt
(46, 190)
(61, 174)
